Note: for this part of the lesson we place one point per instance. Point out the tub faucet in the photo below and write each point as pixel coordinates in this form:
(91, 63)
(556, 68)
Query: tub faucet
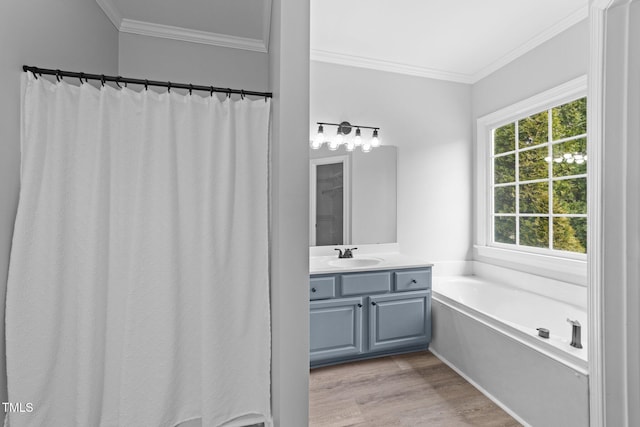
(575, 333)
(347, 253)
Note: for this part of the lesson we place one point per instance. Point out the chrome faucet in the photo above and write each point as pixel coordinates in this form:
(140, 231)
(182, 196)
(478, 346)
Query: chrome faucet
(347, 253)
(575, 333)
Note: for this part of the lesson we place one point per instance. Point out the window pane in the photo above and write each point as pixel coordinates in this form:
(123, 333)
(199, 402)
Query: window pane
(570, 234)
(570, 119)
(504, 138)
(534, 231)
(570, 196)
(533, 164)
(505, 229)
(570, 158)
(534, 198)
(505, 169)
(505, 199)
(533, 130)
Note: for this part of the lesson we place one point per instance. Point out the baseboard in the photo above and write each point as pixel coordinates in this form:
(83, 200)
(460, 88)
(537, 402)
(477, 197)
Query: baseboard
(480, 388)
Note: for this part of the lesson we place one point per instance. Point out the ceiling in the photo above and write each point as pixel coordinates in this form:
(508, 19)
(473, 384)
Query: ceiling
(458, 40)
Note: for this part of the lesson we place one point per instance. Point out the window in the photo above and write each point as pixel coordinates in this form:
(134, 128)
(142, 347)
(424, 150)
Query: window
(531, 184)
(539, 184)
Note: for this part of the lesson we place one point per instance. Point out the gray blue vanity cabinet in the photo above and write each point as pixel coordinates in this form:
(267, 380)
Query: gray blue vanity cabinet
(336, 328)
(360, 315)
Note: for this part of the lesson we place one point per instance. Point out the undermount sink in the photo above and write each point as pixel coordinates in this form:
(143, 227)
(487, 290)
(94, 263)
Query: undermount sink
(354, 262)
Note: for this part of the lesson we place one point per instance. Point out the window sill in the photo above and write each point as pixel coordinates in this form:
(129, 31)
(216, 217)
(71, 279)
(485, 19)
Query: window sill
(564, 269)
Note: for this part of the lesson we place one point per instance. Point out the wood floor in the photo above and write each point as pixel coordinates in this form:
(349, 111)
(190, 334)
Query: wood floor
(414, 389)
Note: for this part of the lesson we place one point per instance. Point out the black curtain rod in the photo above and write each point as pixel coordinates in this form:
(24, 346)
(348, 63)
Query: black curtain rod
(146, 83)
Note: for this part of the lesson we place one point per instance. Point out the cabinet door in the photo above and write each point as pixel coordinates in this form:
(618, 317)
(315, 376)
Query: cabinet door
(335, 328)
(399, 320)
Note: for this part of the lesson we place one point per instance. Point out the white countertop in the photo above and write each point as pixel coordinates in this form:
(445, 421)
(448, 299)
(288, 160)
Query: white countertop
(388, 261)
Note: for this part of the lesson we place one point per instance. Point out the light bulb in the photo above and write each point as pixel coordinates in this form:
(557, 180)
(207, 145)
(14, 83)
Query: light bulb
(333, 145)
(319, 139)
(350, 146)
(357, 141)
(375, 141)
(339, 137)
(315, 144)
(366, 147)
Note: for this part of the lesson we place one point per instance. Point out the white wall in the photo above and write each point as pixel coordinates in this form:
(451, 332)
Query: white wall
(72, 35)
(289, 81)
(429, 121)
(564, 57)
(155, 58)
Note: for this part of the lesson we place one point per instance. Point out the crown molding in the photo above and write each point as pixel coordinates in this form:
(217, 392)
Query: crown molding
(132, 26)
(393, 67)
(111, 11)
(188, 35)
(546, 35)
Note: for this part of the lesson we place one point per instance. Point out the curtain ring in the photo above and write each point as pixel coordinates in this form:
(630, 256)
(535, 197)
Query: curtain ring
(34, 73)
(118, 81)
(102, 79)
(190, 88)
(81, 77)
(242, 94)
(229, 93)
(58, 78)
(211, 91)
(146, 85)
(169, 87)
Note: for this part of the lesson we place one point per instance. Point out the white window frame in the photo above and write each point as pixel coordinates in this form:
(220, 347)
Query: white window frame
(567, 266)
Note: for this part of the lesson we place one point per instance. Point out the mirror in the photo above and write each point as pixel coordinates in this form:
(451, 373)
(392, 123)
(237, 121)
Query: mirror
(352, 196)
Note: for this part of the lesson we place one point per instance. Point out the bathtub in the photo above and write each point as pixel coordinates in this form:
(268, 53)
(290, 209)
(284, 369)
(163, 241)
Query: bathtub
(487, 332)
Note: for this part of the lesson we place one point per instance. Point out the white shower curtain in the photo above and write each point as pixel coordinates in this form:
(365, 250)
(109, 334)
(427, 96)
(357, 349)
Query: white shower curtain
(138, 288)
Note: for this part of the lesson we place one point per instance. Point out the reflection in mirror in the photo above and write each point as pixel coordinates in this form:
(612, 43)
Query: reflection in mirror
(352, 196)
(329, 194)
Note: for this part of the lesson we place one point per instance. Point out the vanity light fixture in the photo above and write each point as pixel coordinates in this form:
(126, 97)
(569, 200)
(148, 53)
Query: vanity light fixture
(342, 137)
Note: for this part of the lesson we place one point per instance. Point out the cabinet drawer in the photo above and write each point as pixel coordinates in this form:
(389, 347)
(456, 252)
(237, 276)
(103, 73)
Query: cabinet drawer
(366, 283)
(322, 288)
(413, 280)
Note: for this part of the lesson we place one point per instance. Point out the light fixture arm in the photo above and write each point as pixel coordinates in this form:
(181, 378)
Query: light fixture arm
(347, 125)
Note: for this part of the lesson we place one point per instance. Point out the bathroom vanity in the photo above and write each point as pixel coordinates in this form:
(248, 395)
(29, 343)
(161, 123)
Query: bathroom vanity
(359, 311)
